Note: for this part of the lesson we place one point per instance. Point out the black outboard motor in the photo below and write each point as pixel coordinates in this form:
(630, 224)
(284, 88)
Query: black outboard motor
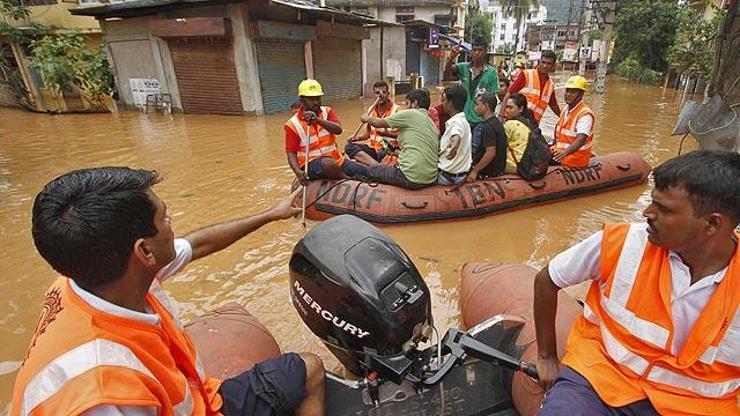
(360, 293)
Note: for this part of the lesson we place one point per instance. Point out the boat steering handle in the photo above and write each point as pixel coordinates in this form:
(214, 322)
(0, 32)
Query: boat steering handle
(529, 369)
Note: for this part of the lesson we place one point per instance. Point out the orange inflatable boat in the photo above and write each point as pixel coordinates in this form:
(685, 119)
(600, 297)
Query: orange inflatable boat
(382, 203)
(487, 290)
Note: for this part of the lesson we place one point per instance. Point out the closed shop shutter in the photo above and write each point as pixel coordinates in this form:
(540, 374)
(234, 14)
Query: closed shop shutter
(337, 65)
(206, 75)
(412, 58)
(429, 69)
(281, 69)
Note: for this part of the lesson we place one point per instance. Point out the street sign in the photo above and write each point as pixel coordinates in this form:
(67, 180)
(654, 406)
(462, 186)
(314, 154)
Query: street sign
(433, 39)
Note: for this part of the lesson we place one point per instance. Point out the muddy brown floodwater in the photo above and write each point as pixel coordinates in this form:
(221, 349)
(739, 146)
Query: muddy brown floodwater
(216, 168)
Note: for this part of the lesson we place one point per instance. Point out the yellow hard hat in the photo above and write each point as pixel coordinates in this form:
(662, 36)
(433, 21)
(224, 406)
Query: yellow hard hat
(310, 88)
(577, 82)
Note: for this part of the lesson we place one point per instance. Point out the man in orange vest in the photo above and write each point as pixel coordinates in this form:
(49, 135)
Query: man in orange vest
(574, 129)
(536, 85)
(109, 341)
(310, 137)
(660, 328)
(374, 152)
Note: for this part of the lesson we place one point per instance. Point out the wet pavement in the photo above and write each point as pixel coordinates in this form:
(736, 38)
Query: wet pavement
(217, 168)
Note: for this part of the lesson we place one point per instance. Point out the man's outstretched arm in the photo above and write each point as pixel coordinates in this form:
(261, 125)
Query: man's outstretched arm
(545, 309)
(217, 237)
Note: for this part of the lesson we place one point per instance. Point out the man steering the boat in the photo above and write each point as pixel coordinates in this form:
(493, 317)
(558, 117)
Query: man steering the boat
(378, 138)
(310, 137)
(660, 328)
(109, 342)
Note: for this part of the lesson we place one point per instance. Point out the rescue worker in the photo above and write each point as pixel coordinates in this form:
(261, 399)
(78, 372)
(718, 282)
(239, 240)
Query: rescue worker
(310, 137)
(536, 85)
(418, 141)
(574, 129)
(374, 151)
(109, 341)
(660, 328)
(478, 76)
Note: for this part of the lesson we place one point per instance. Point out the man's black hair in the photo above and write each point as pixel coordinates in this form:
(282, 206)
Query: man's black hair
(710, 177)
(379, 84)
(489, 100)
(549, 54)
(421, 96)
(479, 42)
(85, 222)
(457, 95)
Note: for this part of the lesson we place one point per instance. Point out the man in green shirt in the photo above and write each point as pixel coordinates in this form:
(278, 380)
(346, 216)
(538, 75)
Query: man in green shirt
(477, 76)
(418, 145)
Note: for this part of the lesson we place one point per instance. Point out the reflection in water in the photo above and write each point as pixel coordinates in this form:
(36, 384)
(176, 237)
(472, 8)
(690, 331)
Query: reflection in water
(217, 168)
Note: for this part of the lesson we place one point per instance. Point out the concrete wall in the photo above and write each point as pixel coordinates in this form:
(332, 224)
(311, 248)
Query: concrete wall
(136, 53)
(388, 14)
(58, 15)
(394, 52)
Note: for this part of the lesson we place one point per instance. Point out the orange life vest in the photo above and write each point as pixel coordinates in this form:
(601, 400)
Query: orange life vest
(622, 342)
(322, 142)
(81, 357)
(376, 139)
(537, 99)
(565, 134)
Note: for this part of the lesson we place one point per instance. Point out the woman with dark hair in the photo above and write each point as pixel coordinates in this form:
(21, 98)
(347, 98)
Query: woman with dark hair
(518, 125)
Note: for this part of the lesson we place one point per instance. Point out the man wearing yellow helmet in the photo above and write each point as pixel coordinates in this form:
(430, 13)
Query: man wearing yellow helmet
(310, 137)
(574, 130)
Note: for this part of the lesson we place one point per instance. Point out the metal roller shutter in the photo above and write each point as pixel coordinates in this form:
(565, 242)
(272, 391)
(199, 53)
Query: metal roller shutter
(429, 69)
(206, 75)
(281, 68)
(337, 65)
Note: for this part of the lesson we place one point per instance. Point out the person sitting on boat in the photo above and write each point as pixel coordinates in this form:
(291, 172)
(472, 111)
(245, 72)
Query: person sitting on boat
(109, 341)
(537, 86)
(455, 156)
(310, 137)
(503, 89)
(476, 76)
(378, 139)
(518, 126)
(574, 129)
(489, 145)
(660, 328)
(418, 141)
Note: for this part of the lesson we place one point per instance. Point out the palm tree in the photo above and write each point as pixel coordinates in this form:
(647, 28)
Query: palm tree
(520, 9)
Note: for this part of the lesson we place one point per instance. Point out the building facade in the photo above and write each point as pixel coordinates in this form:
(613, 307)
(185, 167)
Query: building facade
(231, 58)
(509, 33)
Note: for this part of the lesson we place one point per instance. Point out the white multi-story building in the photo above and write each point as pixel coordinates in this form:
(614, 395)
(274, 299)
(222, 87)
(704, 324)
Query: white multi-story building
(504, 33)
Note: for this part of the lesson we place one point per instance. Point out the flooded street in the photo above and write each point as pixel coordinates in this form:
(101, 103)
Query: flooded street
(217, 168)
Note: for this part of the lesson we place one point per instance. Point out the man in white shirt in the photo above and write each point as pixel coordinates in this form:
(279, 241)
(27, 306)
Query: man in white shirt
(109, 342)
(660, 328)
(455, 157)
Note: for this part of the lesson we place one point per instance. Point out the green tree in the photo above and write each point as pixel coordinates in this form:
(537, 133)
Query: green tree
(481, 25)
(519, 9)
(690, 53)
(66, 64)
(645, 29)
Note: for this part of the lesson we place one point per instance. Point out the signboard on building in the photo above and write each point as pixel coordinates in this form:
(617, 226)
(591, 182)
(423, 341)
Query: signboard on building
(534, 56)
(547, 45)
(433, 39)
(141, 87)
(570, 51)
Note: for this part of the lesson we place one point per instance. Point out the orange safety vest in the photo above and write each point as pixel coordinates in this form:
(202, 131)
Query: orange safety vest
(622, 342)
(537, 99)
(565, 134)
(322, 143)
(376, 140)
(81, 357)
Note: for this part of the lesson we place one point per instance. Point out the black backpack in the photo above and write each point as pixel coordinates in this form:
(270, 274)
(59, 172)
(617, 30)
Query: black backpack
(536, 157)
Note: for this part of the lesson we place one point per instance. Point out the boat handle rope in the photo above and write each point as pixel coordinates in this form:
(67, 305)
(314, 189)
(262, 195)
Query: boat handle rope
(624, 166)
(420, 205)
(538, 184)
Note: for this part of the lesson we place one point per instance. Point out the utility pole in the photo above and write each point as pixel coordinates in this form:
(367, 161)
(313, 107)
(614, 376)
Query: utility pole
(606, 11)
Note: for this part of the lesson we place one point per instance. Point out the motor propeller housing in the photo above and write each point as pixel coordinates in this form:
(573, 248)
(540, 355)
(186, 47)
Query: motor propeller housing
(357, 290)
